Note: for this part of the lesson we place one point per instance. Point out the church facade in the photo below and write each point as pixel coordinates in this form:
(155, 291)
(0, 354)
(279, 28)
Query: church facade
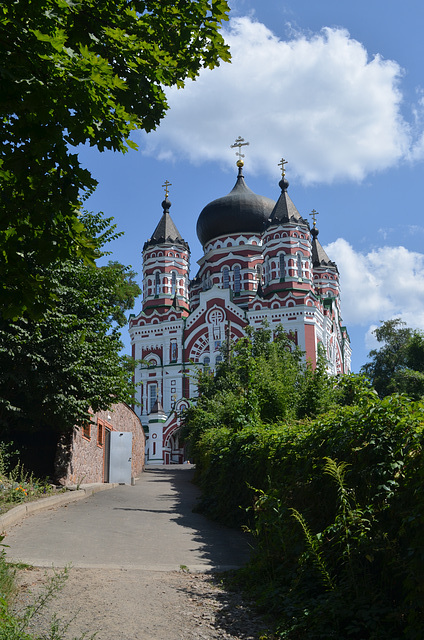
(261, 263)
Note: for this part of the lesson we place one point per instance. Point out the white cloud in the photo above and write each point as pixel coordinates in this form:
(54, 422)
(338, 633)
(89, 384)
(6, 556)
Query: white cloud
(385, 283)
(371, 341)
(319, 101)
(417, 147)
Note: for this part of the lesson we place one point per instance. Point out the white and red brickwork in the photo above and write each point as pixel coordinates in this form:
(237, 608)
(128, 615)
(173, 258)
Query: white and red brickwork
(262, 263)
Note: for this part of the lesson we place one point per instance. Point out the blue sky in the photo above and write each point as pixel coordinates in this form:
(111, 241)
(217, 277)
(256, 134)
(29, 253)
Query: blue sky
(335, 87)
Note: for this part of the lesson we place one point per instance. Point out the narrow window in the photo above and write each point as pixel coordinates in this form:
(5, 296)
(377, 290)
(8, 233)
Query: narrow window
(236, 279)
(100, 434)
(86, 430)
(173, 351)
(282, 266)
(299, 266)
(226, 278)
(153, 395)
(157, 284)
(173, 283)
(207, 282)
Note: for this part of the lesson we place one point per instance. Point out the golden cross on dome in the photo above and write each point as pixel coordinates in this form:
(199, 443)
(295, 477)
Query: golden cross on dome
(166, 184)
(314, 215)
(281, 164)
(239, 143)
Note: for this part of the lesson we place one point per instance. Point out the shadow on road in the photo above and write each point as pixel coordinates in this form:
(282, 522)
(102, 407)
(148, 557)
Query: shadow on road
(219, 546)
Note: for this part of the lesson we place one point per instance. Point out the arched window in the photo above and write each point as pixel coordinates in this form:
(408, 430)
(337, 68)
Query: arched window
(206, 363)
(236, 279)
(207, 283)
(259, 272)
(152, 396)
(299, 266)
(218, 359)
(157, 283)
(266, 271)
(282, 266)
(225, 278)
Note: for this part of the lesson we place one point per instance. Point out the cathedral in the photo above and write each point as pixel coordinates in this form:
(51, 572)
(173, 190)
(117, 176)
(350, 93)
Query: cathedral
(261, 263)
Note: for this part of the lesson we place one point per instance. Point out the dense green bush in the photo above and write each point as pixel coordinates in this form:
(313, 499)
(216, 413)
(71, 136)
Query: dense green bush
(263, 379)
(337, 508)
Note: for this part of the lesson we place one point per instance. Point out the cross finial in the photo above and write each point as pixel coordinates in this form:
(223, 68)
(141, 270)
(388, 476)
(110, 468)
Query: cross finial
(314, 215)
(166, 184)
(239, 143)
(281, 164)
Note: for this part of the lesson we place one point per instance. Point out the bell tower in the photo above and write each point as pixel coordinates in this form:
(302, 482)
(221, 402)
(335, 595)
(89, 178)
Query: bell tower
(166, 265)
(287, 265)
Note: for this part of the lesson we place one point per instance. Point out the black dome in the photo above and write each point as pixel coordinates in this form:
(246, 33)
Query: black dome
(241, 211)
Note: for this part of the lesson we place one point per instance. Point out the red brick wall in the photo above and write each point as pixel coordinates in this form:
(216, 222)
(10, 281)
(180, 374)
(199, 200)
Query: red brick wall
(85, 458)
(310, 345)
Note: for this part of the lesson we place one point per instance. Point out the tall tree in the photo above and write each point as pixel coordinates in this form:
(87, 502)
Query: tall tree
(52, 370)
(80, 72)
(398, 364)
(264, 379)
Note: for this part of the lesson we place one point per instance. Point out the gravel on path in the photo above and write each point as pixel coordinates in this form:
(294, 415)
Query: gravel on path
(124, 604)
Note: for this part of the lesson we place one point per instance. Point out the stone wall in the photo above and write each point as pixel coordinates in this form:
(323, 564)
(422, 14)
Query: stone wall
(82, 460)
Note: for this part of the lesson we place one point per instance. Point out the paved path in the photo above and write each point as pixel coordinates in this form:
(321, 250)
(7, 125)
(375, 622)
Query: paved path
(149, 526)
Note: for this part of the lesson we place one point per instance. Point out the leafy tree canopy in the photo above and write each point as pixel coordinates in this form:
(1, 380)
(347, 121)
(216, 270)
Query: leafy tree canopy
(263, 379)
(53, 369)
(398, 364)
(80, 72)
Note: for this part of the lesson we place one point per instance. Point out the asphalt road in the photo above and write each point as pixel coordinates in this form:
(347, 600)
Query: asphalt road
(149, 526)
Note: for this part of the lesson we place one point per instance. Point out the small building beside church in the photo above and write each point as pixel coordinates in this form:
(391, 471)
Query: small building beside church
(262, 262)
(94, 453)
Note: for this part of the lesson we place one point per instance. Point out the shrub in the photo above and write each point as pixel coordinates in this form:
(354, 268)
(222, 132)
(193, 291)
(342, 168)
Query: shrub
(336, 508)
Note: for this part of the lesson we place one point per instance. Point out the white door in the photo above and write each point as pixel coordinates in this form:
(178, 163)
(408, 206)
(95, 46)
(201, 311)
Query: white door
(120, 457)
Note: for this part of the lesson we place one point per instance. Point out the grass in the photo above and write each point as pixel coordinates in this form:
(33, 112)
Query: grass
(15, 626)
(15, 492)
(16, 485)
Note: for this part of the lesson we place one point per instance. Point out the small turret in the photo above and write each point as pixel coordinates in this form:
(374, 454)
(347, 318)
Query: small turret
(326, 274)
(166, 257)
(286, 247)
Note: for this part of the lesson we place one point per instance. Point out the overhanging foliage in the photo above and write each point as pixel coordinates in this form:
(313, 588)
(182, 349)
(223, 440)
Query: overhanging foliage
(80, 72)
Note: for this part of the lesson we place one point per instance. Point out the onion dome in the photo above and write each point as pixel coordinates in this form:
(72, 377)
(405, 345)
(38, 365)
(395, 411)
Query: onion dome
(241, 211)
(166, 232)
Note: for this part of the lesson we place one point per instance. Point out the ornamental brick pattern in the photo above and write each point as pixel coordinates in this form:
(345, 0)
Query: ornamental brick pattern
(262, 263)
